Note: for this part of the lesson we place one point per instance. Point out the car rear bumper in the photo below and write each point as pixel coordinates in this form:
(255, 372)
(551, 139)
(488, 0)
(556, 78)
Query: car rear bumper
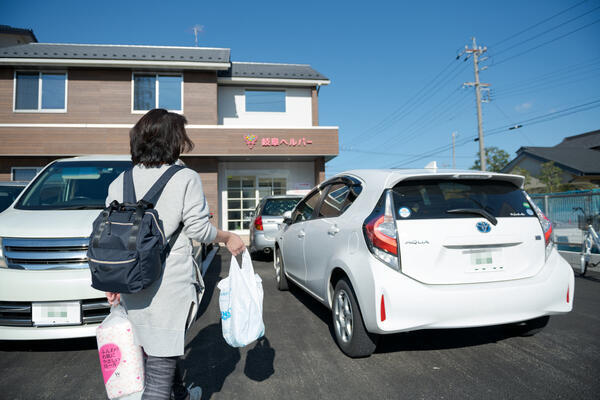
(22, 288)
(411, 305)
(260, 242)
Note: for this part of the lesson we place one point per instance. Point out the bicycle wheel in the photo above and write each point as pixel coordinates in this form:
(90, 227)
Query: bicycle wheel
(586, 253)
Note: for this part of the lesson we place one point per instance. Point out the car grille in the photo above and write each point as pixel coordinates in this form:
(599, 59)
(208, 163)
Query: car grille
(93, 311)
(43, 254)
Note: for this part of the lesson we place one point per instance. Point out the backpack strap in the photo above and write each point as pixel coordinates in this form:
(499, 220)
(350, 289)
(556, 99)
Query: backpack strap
(156, 190)
(128, 187)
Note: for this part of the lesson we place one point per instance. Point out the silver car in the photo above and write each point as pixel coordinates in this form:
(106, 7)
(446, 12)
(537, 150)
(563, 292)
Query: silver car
(399, 250)
(267, 217)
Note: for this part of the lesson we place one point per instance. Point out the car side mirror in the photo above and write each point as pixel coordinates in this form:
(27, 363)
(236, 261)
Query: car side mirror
(287, 217)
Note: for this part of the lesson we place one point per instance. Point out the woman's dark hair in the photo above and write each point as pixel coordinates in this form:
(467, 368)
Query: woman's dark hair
(158, 138)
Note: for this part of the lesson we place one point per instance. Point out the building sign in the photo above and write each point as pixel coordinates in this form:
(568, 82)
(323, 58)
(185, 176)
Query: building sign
(276, 142)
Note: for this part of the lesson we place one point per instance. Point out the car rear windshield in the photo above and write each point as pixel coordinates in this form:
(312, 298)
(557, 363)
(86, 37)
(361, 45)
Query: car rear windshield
(453, 198)
(279, 206)
(72, 185)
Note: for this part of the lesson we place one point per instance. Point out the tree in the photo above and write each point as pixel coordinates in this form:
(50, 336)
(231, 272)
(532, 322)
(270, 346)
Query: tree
(551, 176)
(495, 159)
(526, 174)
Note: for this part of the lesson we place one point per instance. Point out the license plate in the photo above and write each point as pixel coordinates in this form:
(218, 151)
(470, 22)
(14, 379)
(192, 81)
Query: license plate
(56, 313)
(485, 261)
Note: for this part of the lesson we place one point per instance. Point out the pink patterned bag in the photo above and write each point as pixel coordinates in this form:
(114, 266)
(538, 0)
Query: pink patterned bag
(121, 360)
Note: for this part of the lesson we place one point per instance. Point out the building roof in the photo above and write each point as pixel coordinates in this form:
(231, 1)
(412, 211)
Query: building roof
(7, 29)
(580, 160)
(271, 70)
(121, 52)
(588, 140)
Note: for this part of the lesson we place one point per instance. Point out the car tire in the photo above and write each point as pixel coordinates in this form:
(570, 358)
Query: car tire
(280, 278)
(348, 326)
(532, 326)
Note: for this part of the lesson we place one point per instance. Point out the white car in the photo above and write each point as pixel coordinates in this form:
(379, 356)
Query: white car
(45, 290)
(399, 250)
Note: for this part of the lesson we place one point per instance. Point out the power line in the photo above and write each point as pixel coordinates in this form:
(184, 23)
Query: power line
(532, 121)
(537, 24)
(548, 30)
(547, 42)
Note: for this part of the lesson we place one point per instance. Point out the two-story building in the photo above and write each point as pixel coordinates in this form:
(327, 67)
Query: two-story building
(255, 126)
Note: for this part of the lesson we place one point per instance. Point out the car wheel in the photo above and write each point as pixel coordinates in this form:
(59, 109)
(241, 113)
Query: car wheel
(350, 333)
(532, 326)
(282, 282)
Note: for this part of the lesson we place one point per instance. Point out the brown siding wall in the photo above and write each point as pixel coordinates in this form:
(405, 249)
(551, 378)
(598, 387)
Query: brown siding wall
(7, 162)
(207, 168)
(319, 170)
(209, 142)
(103, 96)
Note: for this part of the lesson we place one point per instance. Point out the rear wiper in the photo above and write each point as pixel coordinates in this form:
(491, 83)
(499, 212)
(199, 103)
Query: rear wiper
(477, 211)
(88, 207)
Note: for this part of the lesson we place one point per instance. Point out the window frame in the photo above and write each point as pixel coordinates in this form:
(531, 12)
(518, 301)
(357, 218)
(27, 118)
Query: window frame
(157, 95)
(39, 95)
(260, 89)
(13, 169)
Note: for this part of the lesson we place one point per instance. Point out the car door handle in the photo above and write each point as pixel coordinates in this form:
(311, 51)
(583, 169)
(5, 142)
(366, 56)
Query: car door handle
(301, 234)
(333, 230)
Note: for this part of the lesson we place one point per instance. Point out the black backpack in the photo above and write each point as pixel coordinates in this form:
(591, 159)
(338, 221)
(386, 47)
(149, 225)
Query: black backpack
(128, 248)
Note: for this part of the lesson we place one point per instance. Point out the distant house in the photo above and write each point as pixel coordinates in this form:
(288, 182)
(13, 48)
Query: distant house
(578, 156)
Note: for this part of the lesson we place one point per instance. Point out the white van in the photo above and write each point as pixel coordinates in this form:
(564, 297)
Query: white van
(45, 290)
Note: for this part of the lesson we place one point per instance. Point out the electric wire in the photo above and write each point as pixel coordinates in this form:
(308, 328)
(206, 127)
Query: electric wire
(538, 23)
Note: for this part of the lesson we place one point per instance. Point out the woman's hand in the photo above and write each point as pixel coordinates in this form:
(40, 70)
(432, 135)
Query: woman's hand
(113, 298)
(235, 244)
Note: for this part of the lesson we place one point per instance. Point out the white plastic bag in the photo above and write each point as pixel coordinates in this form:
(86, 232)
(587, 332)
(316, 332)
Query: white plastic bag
(121, 360)
(241, 303)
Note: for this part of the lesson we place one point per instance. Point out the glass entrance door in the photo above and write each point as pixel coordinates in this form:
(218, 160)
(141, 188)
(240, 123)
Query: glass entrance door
(244, 193)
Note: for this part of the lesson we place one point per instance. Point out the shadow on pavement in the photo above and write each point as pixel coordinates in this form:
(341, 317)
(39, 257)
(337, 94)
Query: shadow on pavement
(79, 344)
(210, 360)
(259, 361)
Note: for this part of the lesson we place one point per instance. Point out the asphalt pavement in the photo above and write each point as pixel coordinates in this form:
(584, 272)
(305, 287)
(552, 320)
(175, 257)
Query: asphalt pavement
(298, 358)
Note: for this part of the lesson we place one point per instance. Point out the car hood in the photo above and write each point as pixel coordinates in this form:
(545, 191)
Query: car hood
(47, 223)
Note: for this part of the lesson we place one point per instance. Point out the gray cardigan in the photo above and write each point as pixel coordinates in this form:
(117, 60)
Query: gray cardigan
(159, 313)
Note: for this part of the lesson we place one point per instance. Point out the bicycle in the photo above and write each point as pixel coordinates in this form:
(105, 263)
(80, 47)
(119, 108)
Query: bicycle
(591, 239)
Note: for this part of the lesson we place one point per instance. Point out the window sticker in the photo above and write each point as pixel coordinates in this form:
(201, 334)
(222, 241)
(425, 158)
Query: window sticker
(526, 204)
(404, 212)
(529, 211)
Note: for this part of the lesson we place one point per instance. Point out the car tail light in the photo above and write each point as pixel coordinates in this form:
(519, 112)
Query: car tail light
(258, 223)
(380, 232)
(546, 225)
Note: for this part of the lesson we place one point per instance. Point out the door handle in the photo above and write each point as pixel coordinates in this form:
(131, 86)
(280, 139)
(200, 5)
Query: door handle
(301, 234)
(333, 230)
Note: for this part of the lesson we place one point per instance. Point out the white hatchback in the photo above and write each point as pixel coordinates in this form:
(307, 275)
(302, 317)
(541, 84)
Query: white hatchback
(399, 250)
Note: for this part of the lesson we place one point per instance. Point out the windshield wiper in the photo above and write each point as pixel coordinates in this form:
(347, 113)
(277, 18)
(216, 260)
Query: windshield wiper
(83, 207)
(477, 211)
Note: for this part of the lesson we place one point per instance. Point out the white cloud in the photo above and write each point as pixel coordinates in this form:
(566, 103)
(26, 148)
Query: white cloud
(523, 107)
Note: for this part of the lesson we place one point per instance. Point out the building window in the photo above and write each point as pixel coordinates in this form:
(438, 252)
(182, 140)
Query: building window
(40, 91)
(157, 91)
(24, 173)
(244, 193)
(265, 100)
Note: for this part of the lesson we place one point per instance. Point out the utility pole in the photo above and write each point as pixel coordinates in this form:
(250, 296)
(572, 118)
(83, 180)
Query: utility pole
(476, 52)
(453, 151)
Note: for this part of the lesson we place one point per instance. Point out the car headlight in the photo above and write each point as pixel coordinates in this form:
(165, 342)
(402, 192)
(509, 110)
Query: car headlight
(2, 259)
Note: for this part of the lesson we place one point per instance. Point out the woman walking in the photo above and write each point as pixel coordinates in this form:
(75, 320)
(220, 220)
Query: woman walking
(161, 313)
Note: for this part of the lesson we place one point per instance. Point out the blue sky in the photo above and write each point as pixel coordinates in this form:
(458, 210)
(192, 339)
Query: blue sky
(382, 58)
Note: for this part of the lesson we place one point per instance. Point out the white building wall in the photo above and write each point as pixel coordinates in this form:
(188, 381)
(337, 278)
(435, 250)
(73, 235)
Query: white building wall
(300, 177)
(232, 109)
